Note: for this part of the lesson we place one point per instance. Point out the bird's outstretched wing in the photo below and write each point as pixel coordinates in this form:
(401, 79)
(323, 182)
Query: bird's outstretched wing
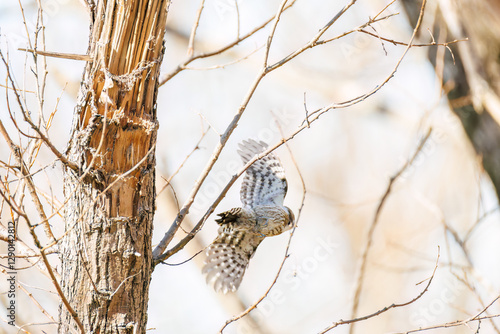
(228, 257)
(264, 182)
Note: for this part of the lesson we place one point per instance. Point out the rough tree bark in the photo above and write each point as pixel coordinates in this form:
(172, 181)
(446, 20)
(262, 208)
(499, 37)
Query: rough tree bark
(472, 76)
(106, 254)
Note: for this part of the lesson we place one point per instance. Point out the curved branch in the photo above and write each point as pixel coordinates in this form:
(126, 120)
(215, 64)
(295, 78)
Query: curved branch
(387, 308)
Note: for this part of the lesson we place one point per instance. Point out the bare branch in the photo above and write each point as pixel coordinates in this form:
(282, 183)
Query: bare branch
(371, 231)
(166, 77)
(27, 253)
(458, 323)
(72, 56)
(273, 30)
(238, 23)
(196, 147)
(387, 308)
(30, 296)
(433, 43)
(313, 42)
(190, 49)
(236, 61)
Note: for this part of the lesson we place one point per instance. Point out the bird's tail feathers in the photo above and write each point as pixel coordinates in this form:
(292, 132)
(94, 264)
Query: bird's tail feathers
(227, 259)
(224, 267)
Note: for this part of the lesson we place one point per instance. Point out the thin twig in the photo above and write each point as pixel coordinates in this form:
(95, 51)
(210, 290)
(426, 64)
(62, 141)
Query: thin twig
(457, 323)
(15, 325)
(196, 147)
(371, 231)
(387, 308)
(19, 90)
(273, 30)
(24, 23)
(313, 42)
(219, 66)
(40, 307)
(190, 49)
(27, 252)
(433, 43)
(238, 23)
(72, 56)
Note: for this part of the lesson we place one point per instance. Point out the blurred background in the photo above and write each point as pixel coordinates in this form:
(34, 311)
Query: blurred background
(444, 203)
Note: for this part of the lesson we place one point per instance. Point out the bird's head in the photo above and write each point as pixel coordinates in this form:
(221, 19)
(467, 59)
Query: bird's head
(290, 218)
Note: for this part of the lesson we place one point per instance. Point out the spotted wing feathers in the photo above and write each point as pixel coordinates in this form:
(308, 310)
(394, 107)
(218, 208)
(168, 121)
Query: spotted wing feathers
(227, 259)
(264, 182)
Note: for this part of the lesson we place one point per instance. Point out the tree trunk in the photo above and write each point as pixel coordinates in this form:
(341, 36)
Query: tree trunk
(106, 254)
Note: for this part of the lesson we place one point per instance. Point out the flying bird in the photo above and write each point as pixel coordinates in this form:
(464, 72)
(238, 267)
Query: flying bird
(243, 229)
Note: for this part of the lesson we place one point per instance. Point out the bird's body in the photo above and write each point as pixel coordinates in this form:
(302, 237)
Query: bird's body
(243, 229)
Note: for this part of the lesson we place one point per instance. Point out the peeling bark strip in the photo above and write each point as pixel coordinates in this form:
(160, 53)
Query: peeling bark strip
(106, 253)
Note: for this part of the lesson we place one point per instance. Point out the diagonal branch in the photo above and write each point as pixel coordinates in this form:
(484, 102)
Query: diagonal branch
(166, 77)
(374, 224)
(314, 41)
(192, 37)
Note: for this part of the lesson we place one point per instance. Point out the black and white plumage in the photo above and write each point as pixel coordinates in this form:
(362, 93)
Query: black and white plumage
(242, 229)
(264, 182)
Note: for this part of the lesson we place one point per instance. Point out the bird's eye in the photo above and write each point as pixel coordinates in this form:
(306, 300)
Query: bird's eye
(291, 217)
